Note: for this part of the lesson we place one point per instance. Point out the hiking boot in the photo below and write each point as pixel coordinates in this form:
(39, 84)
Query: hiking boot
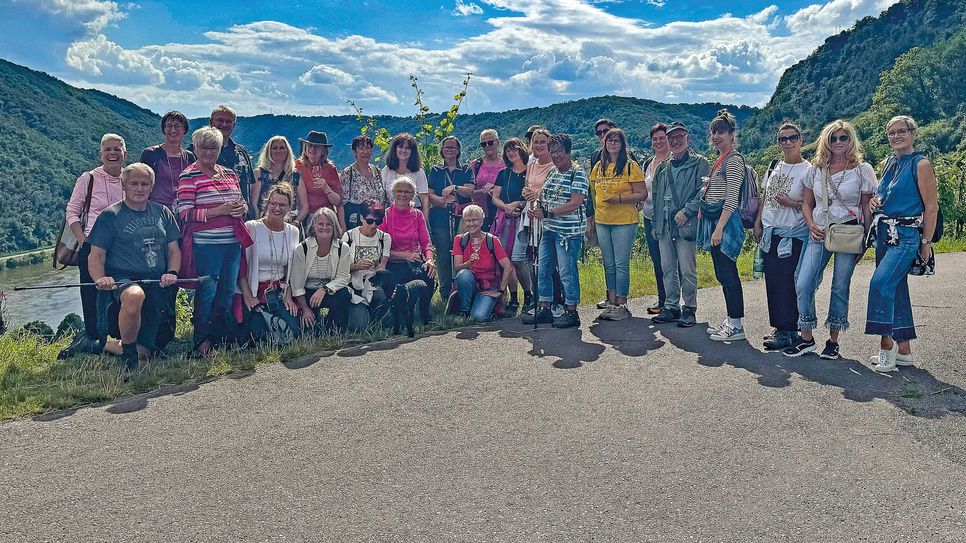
(541, 316)
(804, 346)
(656, 308)
(782, 340)
(569, 319)
(831, 351)
(129, 356)
(667, 315)
(615, 313)
(729, 333)
(687, 317)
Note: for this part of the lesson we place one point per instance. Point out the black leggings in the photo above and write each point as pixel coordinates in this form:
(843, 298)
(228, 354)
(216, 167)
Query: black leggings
(88, 294)
(726, 271)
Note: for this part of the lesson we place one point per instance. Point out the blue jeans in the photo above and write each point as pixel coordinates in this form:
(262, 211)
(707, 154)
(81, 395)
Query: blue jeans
(814, 260)
(559, 253)
(479, 306)
(213, 298)
(654, 251)
(616, 242)
(889, 310)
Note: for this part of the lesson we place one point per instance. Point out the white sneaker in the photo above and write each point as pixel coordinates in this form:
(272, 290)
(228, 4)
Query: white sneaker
(712, 329)
(886, 361)
(603, 304)
(557, 310)
(728, 333)
(905, 360)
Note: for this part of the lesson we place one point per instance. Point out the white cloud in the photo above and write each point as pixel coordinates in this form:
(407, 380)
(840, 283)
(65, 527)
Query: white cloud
(536, 52)
(466, 9)
(94, 15)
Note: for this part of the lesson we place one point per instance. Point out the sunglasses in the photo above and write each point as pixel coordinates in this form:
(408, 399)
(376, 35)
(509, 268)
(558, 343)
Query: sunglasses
(487, 143)
(844, 138)
(371, 220)
(786, 139)
(602, 132)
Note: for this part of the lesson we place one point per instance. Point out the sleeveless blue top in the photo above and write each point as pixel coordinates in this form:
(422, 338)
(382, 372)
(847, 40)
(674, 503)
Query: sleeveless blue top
(899, 187)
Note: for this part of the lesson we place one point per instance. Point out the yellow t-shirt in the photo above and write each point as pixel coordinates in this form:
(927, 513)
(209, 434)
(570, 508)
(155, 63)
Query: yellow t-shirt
(607, 184)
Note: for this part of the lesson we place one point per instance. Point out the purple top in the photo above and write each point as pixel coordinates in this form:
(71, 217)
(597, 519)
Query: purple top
(167, 169)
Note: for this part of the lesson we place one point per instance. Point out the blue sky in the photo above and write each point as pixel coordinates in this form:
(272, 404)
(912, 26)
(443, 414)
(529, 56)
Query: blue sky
(309, 57)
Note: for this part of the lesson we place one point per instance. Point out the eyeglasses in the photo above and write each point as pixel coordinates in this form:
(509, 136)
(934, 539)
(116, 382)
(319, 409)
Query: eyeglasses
(403, 192)
(278, 204)
(898, 133)
(487, 143)
(325, 226)
(782, 140)
(557, 151)
(371, 220)
(844, 138)
(451, 148)
(613, 140)
(205, 149)
(173, 126)
(677, 137)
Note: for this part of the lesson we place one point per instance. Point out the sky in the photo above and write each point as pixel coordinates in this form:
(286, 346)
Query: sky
(310, 57)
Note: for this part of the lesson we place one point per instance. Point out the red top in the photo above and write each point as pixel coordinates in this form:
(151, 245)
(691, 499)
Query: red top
(486, 270)
(314, 178)
(407, 228)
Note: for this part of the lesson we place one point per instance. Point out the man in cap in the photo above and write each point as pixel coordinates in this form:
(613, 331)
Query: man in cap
(676, 192)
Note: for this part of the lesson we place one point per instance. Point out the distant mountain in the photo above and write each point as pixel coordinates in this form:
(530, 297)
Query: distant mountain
(840, 77)
(636, 116)
(50, 133)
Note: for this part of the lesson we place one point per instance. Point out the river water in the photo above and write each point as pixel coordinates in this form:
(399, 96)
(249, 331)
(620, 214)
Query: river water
(48, 305)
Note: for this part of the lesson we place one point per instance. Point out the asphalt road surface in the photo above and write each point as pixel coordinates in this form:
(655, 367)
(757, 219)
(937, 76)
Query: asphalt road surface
(614, 432)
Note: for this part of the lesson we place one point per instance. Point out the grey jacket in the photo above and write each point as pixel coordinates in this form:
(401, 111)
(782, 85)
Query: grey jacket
(685, 189)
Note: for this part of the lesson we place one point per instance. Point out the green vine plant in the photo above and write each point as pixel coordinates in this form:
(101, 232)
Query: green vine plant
(430, 134)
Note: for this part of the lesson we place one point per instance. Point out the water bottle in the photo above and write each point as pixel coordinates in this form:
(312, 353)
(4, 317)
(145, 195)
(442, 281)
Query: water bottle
(758, 270)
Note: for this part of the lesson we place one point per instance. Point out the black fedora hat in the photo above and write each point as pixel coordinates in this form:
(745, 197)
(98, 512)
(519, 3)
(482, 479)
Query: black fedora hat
(317, 138)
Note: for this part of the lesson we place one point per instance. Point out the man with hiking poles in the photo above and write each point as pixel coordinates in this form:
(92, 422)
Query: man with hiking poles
(132, 241)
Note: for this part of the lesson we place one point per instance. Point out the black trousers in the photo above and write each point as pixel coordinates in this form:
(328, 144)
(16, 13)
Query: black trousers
(88, 294)
(338, 305)
(726, 271)
(780, 285)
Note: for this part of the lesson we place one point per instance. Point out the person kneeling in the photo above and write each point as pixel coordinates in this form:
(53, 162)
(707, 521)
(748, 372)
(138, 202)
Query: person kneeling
(134, 240)
(319, 274)
(482, 267)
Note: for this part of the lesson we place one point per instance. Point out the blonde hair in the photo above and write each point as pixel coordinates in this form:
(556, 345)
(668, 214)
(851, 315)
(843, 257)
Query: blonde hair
(910, 122)
(265, 156)
(110, 136)
(404, 180)
(473, 210)
(490, 132)
(283, 188)
(207, 134)
(329, 214)
(823, 153)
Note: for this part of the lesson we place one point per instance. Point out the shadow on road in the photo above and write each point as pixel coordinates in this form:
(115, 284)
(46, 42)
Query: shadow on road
(913, 390)
(631, 337)
(565, 346)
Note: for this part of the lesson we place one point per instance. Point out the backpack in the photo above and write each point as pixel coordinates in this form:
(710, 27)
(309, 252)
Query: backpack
(465, 241)
(750, 200)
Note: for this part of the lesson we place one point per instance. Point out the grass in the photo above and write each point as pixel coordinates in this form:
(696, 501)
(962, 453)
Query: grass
(33, 381)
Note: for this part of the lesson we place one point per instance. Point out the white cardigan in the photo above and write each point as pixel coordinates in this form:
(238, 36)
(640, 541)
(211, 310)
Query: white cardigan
(340, 259)
(261, 233)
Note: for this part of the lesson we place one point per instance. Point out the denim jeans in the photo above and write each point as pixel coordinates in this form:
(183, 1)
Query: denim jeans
(616, 242)
(479, 306)
(810, 272)
(889, 310)
(444, 260)
(654, 251)
(275, 305)
(213, 298)
(559, 253)
(679, 262)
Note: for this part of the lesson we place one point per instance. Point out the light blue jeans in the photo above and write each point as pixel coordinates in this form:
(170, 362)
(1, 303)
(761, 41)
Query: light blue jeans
(213, 318)
(616, 242)
(889, 311)
(810, 271)
(559, 253)
(479, 306)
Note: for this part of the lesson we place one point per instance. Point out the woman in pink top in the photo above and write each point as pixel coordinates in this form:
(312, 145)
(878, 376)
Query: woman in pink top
(410, 254)
(485, 170)
(104, 184)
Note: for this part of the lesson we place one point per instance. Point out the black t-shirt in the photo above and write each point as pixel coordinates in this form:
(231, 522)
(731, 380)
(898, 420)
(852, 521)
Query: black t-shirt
(136, 242)
(441, 177)
(511, 185)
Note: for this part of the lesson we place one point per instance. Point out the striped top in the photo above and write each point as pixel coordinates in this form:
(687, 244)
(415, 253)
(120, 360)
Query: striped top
(197, 193)
(726, 185)
(557, 190)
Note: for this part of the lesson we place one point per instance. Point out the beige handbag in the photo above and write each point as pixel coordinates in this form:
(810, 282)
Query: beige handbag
(841, 238)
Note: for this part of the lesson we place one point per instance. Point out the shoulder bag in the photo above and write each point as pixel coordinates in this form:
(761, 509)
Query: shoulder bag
(67, 249)
(841, 238)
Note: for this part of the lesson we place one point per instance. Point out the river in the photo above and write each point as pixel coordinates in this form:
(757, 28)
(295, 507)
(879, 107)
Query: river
(48, 305)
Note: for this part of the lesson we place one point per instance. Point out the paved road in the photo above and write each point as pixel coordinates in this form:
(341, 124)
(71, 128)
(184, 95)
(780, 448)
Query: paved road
(614, 432)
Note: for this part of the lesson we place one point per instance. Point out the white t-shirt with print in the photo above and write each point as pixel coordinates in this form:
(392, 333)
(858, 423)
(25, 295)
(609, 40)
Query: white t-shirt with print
(786, 179)
(847, 188)
(363, 247)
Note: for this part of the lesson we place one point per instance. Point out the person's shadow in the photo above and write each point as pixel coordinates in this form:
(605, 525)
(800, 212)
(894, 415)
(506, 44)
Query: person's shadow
(631, 337)
(565, 347)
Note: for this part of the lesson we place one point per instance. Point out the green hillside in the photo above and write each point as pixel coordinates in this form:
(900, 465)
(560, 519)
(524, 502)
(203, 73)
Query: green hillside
(49, 134)
(840, 77)
(576, 118)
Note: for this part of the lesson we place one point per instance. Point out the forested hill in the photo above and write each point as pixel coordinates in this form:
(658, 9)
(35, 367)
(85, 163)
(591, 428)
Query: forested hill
(49, 133)
(840, 77)
(634, 115)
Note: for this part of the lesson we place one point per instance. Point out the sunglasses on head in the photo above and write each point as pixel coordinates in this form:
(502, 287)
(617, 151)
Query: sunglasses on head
(487, 143)
(785, 139)
(371, 220)
(844, 138)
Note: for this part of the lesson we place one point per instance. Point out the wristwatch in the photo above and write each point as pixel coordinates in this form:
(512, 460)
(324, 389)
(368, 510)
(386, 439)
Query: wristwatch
(926, 241)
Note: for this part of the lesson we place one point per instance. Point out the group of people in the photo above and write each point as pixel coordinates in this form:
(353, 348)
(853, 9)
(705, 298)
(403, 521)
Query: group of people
(288, 245)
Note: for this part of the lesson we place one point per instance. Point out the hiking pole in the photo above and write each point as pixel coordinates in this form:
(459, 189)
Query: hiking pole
(202, 279)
